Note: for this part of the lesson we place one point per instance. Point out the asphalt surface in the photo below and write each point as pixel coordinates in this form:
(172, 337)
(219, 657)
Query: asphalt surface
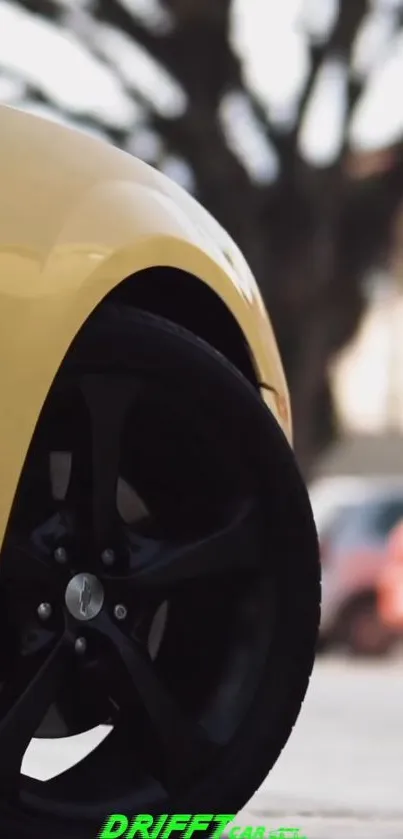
(340, 775)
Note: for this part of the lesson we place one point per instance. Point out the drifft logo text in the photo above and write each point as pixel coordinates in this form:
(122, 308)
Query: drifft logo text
(145, 826)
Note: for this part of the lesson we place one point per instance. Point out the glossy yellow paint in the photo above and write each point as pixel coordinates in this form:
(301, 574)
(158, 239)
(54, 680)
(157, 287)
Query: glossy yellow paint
(78, 216)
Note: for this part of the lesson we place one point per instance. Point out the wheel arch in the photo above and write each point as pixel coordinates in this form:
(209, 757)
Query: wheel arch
(179, 296)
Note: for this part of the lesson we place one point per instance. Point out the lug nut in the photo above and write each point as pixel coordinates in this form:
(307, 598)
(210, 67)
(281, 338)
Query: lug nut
(60, 555)
(108, 556)
(80, 646)
(44, 611)
(120, 612)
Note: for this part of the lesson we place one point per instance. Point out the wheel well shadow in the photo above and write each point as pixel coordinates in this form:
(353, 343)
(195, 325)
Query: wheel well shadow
(187, 301)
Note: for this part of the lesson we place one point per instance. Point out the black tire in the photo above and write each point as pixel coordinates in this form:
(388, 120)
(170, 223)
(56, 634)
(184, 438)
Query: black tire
(120, 338)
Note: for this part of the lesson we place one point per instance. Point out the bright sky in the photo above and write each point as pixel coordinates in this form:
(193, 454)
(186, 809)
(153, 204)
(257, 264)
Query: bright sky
(270, 37)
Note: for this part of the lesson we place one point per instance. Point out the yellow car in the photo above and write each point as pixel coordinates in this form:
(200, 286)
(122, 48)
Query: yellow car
(159, 570)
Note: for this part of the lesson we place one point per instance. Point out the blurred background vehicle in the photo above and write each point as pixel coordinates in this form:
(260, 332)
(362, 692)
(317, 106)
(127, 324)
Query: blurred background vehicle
(353, 538)
(390, 583)
(331, 494)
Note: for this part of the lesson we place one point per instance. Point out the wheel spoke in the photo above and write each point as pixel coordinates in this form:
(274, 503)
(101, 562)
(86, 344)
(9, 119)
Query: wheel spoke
(24, 702)
(95, 467)
(235, 548)
(183, 747)
(21, 564)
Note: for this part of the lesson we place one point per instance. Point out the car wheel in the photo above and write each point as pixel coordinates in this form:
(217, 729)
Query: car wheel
(159, 575)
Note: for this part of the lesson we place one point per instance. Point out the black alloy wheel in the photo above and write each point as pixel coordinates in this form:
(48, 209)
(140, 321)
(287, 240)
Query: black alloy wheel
(160, 577)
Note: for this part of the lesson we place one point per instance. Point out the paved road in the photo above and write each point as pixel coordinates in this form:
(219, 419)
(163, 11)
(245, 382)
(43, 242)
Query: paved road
(341, 774)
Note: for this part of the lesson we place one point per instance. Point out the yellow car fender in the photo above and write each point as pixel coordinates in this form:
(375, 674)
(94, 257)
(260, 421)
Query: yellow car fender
(77, 217)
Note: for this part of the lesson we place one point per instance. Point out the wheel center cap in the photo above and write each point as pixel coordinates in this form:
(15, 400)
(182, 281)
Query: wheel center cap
(84, 597)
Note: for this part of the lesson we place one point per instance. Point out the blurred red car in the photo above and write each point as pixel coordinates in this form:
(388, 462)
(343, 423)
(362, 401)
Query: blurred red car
(390, 586)
(353, 557)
